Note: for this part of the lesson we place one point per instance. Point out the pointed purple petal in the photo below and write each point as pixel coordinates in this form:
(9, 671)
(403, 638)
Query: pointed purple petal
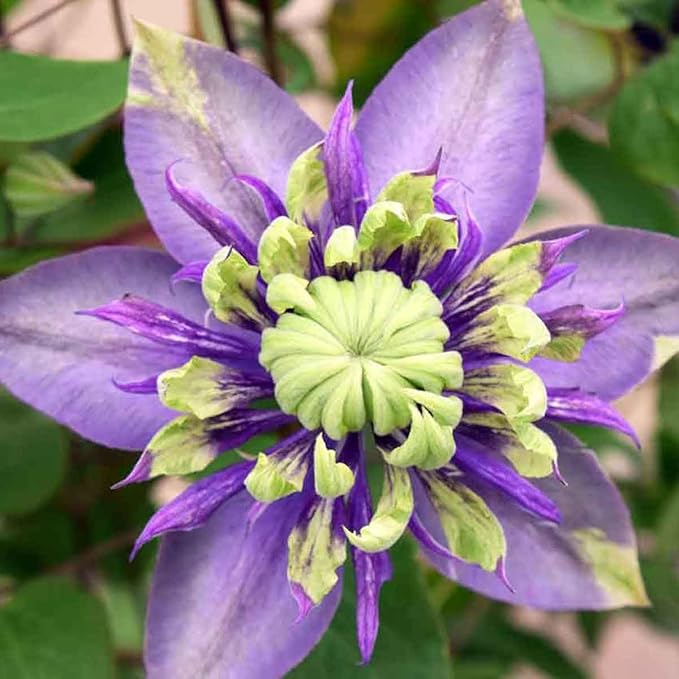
(573, 405)
(195, 505)
(65, 364)
(148, 385)
(224, 115)
(273, 205)
(191, 272)
(475, 462)
(217, 223)
(339, 157)
(372, 570)
(640, 268)
(220, 604)
(474, 87)
(164, 326)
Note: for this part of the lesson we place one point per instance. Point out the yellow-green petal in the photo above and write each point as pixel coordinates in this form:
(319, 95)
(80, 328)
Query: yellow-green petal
(331, 478)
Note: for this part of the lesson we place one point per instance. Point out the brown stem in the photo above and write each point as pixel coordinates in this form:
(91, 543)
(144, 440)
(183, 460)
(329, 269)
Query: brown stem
(273, 65)
(224, 16)
(119, 25)
(5, 39)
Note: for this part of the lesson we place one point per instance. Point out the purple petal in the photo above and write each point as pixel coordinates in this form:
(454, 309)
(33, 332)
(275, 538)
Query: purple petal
(221, 113)
(272, 204)
(195, 505)
(360, 187)
(474, 87)
(164, 326)
(573, 405)
(339, 156)
(192, 272)
(372, 570)
(65, 364)
(542, 563)
(640, 268)
(217, 223)
(220, 605)
(475, 462)
(148, 385)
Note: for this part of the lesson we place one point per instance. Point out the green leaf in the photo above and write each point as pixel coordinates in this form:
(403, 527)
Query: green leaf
(42, 98)
(411, 642)
(621, 196)
(51, 630)
(644, 122)
(110, 209)
(33, 459)
(125, 615)
(37, 183)
(602, 14)
(577, 61)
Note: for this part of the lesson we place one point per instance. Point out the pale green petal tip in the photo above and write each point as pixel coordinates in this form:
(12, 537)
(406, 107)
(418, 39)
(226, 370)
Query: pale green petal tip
(315, 552)
(307, 188)
(287, 291)
(391, 516)
(229, 286)
(181, 447)
(384, 228)
(331, 478)
(194, 388)
(414, 191)
(273, 478)
(284, 248)
(666, 347)
(566, 348)
(341, 248)
(472, 531)
(615, 567)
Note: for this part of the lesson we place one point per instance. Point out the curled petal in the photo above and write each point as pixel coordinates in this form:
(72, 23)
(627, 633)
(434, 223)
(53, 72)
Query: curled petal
(273, 205)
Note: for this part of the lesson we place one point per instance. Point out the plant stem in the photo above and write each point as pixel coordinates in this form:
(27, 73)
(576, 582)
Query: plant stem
(273, 65)
(224, 16)
(119, 25)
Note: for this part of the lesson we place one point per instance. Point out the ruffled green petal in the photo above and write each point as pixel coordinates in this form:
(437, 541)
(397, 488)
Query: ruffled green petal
(276, 476)
(391, 516)
(331, 478)
(287, 291)
(384, 228)
(414, 191)
(307, 189)
(283, 248)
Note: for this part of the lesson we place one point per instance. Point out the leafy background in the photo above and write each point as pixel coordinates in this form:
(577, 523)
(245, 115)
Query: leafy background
(70, 603)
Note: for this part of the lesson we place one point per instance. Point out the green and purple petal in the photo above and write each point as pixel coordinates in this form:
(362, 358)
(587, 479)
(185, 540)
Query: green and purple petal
(197, 103)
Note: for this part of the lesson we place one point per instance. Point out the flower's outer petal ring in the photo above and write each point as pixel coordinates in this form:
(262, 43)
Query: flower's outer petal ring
(614, 265)
(542, 562)
(197, 103)
(220, 604)
(65, 364)
(473, 87)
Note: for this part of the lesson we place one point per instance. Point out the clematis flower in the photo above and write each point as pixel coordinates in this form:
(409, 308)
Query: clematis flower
(354, 293)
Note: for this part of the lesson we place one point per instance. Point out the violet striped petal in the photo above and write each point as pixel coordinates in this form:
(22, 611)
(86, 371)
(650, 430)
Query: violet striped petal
(422, 534)
(359, 180)
(339, 158)
(191, 272)
(195, 505)
(271, 202)
(218, 224)
(553, 249)
(471, 459)
(372, 570)
(148, 385)
(574, 405)
(164, 326)
(558, 273)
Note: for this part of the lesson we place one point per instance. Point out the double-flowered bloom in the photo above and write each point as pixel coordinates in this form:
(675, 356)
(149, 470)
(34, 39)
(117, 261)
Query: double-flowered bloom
(353, 293)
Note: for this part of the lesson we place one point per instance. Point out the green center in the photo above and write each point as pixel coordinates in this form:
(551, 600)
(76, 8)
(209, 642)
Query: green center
(359, 351)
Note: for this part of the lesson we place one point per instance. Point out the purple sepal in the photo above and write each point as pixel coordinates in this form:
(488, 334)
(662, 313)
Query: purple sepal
(573, 405)
(191, 272)
(360, 187)
(145, 386)
(426, 539)
(558, 273)
(218, 224)
(372, 570)
(580, 319)
(273, 205)
(432, 169)
(163, 326)
(339, 158)
(140, 472)
(471, 459)
(553, 249)
(304, 603)
(195, 505)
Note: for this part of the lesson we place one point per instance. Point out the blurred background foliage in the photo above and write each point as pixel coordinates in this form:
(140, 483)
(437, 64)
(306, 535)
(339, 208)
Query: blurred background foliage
(70, 603)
